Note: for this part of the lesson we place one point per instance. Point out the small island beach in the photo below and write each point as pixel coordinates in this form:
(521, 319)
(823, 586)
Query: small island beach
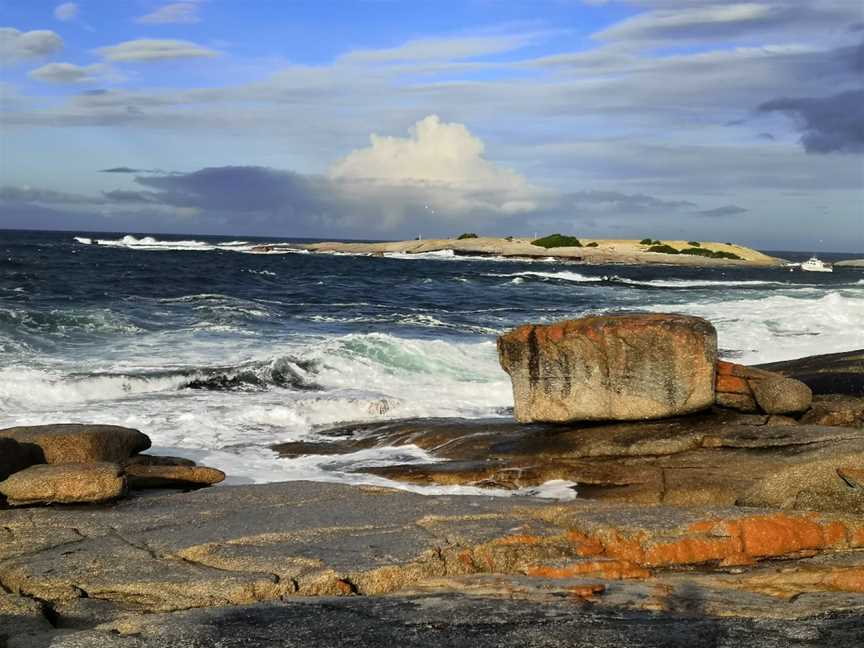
(592, 251)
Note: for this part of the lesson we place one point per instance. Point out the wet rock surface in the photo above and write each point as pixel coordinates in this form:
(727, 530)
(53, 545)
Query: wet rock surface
(715, 458)
(307, 563)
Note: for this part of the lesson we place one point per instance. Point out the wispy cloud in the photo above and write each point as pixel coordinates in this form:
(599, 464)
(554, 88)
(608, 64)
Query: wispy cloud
(154, 49)
(66, 11)
(174, 12)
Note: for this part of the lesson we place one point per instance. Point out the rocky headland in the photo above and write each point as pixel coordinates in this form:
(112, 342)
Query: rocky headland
(589, 251)
(718, 505)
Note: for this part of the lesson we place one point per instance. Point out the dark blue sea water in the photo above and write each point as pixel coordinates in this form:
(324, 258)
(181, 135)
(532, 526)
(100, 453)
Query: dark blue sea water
(216, 352)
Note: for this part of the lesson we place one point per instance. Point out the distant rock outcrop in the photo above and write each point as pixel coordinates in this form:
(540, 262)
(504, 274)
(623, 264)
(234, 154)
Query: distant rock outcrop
(611, 367)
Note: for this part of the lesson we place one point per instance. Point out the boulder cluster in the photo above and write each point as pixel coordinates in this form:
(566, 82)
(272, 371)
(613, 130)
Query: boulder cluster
(75, 463)
(633, 367)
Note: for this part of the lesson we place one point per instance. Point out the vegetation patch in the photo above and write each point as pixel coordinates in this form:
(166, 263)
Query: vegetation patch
(466, 235)
(593, 244)
(664, 249)
(648, 241)
(694, 243)
(711, 254)
(556, 241)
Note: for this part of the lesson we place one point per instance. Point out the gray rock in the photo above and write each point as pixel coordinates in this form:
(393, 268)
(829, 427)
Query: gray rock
(782, 395)
(64, 484)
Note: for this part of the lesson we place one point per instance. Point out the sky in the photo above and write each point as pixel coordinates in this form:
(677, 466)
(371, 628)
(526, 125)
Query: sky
(388, 119)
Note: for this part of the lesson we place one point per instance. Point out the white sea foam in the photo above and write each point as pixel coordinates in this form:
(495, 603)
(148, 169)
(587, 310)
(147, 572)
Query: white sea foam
(782, 327)
(566, 275)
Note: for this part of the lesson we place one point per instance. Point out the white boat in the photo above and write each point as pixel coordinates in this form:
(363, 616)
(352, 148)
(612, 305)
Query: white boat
(816, 265)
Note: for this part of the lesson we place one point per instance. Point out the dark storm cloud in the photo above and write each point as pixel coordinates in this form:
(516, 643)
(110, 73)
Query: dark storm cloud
(832, 124)
(124, 169)
(123, 196)
(724, 211)
(237, 188)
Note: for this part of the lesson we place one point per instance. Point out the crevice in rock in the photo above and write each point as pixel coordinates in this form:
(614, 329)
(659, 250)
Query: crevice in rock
(46, 608)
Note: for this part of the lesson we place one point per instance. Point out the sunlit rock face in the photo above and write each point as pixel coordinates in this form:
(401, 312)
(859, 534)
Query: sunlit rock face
(618, 367)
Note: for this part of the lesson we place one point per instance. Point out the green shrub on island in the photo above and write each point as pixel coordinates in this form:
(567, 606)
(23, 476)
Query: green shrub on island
(647, 241)
(466, 235)
(711, 254)
(593, 244)
(694, 243)
(556, 241)
(664, 249)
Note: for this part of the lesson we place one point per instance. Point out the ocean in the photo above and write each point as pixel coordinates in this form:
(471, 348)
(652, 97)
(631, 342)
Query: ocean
(217, 353)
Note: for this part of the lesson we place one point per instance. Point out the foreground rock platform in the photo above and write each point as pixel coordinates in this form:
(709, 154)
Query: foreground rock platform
(311, 564)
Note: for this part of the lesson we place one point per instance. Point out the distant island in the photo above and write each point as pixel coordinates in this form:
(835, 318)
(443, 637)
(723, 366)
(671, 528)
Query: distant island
(568, 248)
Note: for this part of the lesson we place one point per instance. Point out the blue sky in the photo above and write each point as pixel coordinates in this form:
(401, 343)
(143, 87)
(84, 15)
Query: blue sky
(686, 118)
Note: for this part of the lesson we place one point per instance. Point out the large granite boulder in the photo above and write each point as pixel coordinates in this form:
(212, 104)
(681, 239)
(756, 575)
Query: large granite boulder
(64, 484)
(80, 443)
(611, 367)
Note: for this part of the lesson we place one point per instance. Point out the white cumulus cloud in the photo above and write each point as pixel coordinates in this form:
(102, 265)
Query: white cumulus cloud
(435, 153)
(440, 164)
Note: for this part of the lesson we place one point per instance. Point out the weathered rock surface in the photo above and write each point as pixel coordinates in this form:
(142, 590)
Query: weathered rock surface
(716, 458)
(16, 456)
(64, 484)
(832, 373)
(782, 396)
(449, 570)
(80, 443)
(843, 411)
(749, 389)
(614, 367)
(168, 476)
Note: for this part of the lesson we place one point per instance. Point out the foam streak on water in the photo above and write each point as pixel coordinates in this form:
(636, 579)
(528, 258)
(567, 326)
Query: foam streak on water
(218, 355)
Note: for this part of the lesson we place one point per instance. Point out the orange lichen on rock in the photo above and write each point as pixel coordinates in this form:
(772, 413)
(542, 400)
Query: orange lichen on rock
(781, 534)
(520, 540)
(735, 541)
(586, 591)
(732, 385)
(608, 569)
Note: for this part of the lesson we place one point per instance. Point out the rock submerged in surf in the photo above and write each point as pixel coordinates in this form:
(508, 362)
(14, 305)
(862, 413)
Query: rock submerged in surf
(611, 368)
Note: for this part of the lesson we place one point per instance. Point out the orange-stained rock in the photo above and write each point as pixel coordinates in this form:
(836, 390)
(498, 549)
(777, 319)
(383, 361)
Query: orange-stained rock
(611, 367)
(749, 389)
(733, 540)
(609, 569)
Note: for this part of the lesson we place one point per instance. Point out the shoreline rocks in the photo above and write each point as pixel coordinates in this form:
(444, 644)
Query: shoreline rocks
(80, 463)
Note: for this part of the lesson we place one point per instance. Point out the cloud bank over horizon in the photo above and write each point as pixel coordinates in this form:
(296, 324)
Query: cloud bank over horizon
(692, 118)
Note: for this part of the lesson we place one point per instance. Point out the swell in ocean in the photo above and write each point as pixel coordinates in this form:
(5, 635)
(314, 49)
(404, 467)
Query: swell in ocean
(217, 351)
